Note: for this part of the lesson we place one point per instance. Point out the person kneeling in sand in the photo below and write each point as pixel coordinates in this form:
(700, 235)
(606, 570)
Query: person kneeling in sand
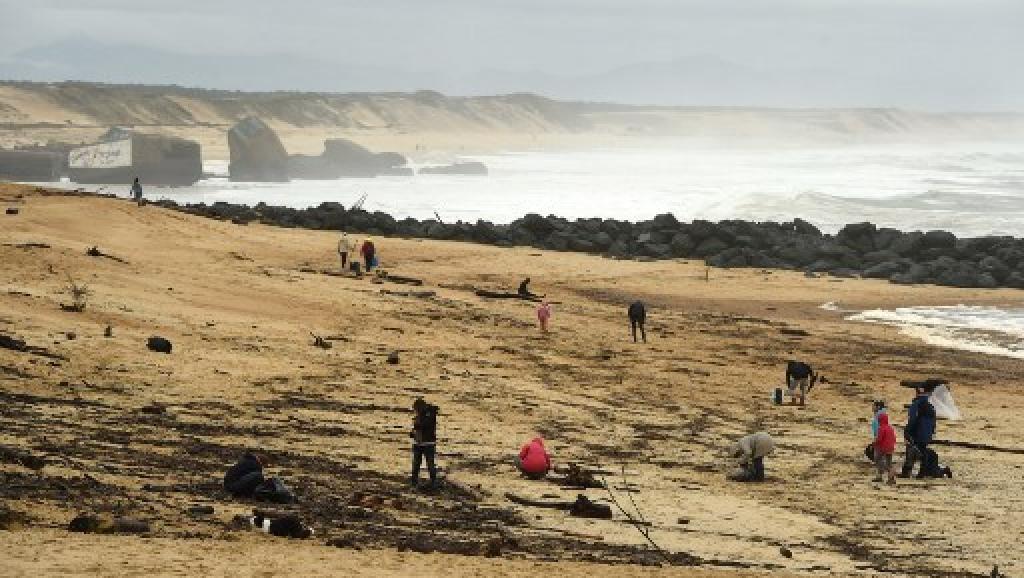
(242, 479)
(533, 461)
(751, 450)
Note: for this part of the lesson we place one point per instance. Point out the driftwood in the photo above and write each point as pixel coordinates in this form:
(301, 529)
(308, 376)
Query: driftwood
(420, 294)
(582, 507)
(401, 280)
(95, 252)
(320, 341)
(27, 245)
(503, 295)
(15, 456)
(15, 344)
(974, 446)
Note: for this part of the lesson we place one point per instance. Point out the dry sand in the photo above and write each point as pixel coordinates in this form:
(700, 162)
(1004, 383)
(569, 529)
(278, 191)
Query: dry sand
(238, 305)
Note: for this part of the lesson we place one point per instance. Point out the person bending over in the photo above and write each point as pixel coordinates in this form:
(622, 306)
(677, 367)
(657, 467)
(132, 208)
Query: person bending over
(242, 479)
(751, 451)
(533, 461)
(800, 378)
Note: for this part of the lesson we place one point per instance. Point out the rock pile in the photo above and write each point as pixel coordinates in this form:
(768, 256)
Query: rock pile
(860, 249)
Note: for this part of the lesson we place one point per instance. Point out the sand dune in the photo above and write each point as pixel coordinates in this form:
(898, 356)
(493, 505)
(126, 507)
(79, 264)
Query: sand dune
(238, 302)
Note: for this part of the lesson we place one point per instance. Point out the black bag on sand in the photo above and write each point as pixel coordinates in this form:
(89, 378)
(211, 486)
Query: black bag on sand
(869, 453)
(273, 490)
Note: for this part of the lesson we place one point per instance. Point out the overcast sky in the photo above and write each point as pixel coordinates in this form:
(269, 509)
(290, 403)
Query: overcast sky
(948, 54)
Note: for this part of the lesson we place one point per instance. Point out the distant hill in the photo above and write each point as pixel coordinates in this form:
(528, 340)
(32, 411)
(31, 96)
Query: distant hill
(427, 120)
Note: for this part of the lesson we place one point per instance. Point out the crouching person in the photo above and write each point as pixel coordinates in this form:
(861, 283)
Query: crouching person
(242, 479)
(533, 461)
(751, 451)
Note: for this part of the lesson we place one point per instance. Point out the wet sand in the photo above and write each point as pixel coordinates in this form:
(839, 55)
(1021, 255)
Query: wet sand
(239, 303)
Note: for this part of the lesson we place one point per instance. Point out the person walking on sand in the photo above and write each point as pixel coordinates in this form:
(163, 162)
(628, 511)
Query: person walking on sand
(369, 254)
(137, 191)
(918, 435)
(424, 440)
(885, 446)
(345, 246)
(534, 461)
(544, 315)
(637, 316)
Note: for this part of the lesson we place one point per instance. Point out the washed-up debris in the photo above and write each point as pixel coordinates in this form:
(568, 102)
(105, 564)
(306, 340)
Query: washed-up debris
(27, 245)
(108, 331)
(794, 332)
(9, 455)
(201, 510)
(15, 344)
(95, 252)
(105, 524)
(420, 294)
(158, 344)
(503, 295)
(393, 358)
(320, 341)
(12, 211)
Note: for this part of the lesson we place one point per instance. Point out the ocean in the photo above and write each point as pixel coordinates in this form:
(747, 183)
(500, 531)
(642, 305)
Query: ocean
(969, 189)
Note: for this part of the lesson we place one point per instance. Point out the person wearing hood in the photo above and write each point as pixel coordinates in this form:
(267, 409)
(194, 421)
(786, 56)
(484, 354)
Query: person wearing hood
(877, 409)
(533, 461)
(369, 254)
(637, 316)
(751, 451)
(137, 191)
(885, 446)
(918, 435)
(242, 479)
(345, 246)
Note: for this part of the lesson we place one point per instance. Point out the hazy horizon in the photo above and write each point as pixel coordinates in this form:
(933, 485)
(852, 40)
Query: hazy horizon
(915, 54)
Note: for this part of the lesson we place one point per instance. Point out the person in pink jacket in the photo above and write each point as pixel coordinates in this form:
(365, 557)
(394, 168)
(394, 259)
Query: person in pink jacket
(534, 461)
(543, 315)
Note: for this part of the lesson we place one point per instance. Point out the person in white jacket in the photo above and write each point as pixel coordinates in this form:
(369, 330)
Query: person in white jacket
(345, 246)
(751, 450)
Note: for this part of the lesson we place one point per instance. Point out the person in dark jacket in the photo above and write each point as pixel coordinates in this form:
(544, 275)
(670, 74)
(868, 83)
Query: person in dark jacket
(424, 444)
(637, 317)
(242, 479)
(137, 191)
(918, 435)
(799, 377)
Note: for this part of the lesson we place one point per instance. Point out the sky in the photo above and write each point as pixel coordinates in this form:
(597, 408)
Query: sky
(926, 54)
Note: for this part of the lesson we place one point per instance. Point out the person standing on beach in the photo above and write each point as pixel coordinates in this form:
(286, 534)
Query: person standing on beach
(799, 376)
(544, 315)
(637, 316)
(885, 446)
(424, 440)
(877, 410)
(369, 254)
(345, 246)
(918, 435)
(137, 191)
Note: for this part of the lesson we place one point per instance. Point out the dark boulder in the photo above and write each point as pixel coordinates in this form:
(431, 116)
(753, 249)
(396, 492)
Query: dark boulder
(938, 240)
(710, 246)
(802, 227)
(907, 244)
(887, 269)
(158, 344)
(535, 224)
(994, 267)
(256, 152)
(665, 221)
(681, 245)
(858, 236)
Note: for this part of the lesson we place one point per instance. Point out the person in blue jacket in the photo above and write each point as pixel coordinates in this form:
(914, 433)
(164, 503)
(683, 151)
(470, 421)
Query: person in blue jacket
(918, 435)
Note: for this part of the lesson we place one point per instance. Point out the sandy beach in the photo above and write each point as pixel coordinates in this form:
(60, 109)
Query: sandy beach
(133, 432)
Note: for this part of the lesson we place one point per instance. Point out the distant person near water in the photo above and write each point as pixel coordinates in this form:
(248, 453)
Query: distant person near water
(637, 316)
(534, 461)
(345, 246)
(751, 451)
(369, 254)
(424, 440)
(544, 315)
(137, 191)
(800, 378)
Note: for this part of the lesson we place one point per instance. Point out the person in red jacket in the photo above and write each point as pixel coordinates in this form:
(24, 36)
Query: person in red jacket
(369, 253)
(885, 445)
(534, 461)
